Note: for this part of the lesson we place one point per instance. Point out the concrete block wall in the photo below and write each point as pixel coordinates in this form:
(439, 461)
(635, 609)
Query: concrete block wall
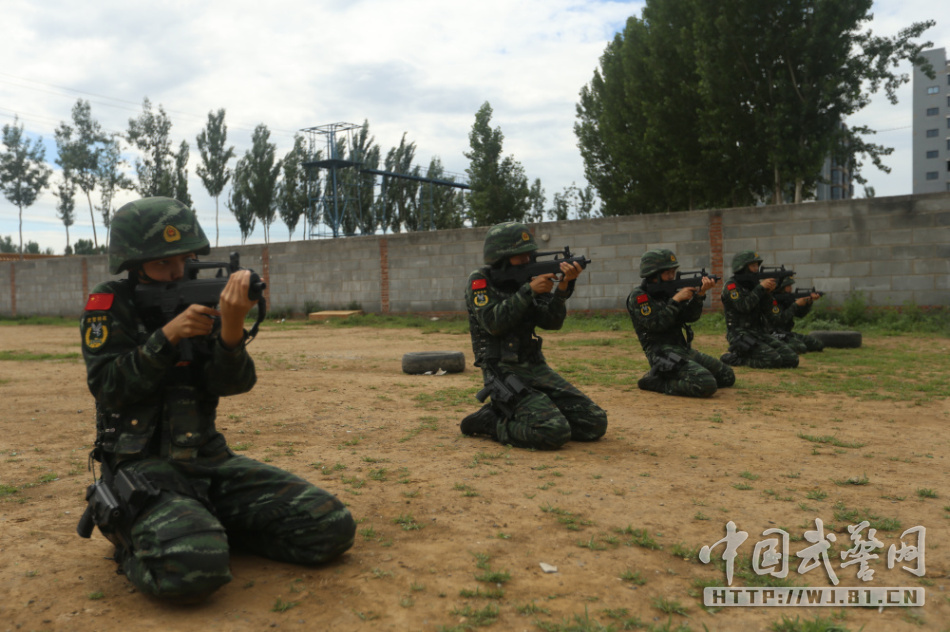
(893, 250)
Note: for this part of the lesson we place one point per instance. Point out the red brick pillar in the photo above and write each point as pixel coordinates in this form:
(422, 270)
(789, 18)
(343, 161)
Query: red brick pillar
(265, 271)
(85, 281)
(384, 275)
(13, 290)
(715, 255)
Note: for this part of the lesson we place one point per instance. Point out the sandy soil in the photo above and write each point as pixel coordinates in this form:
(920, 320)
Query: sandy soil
(333, 406)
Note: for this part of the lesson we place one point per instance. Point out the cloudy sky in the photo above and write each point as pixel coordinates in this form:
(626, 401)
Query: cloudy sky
(417, 67)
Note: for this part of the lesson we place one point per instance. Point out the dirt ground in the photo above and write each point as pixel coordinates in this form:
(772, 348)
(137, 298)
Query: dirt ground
(452, 529)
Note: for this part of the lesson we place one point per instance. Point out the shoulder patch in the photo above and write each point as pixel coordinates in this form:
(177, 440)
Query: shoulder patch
(731, 286)
(480, 299)
(642, 298)
(479, 284)
(734, 294)
(96, 331)
(645, 310)
(99, 302)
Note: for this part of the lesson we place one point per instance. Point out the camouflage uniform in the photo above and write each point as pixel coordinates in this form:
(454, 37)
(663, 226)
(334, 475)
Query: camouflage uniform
(502, 320)
(749, 314)
(155, 422)
(784, 312)
(660, 323)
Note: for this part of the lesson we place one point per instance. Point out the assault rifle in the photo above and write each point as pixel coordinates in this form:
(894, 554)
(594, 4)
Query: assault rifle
(683, 279)
(766, 272)
(173, 298)
(523, 274)
(504, 393)
(787, 298)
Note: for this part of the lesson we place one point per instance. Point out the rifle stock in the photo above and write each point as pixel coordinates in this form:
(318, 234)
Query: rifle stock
(683, 279)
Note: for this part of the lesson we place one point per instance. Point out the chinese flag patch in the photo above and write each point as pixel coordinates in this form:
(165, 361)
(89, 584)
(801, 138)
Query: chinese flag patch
(731, 286)
(479, 284)
(99, 302)
(643, 298)
(774, 302)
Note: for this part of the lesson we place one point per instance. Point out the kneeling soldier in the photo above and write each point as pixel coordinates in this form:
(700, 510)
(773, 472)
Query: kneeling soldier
(748, 306)
(786, 310)
(661, 320)
(173, 498)
(531, 405)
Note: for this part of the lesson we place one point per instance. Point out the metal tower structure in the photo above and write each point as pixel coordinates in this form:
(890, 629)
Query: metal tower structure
(341, 195)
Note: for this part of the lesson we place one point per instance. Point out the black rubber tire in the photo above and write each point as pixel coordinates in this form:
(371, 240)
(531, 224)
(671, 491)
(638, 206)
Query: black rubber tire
(839, 339)
(418, 362)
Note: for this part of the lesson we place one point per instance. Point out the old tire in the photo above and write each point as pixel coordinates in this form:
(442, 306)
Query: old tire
(839, 339)
(418, 362)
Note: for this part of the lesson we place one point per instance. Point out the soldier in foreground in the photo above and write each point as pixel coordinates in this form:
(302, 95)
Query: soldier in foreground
(748, 304)
(177, 498)
(786, 309)
(661, 318)
(531, 405)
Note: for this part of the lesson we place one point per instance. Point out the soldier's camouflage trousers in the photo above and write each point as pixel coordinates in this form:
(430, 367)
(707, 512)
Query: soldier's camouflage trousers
(768, 353)
(550, 412)
(180, 547)
(700, 376)
(803, 343)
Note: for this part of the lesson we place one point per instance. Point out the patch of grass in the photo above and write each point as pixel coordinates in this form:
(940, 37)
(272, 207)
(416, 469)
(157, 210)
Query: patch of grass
(29, 356)
(816, 494)
(96, 595)
(633, 577)
(818, 624)
(478, 618)
(852, 480)
(926, 492)
(453, 397)
(641, 538)
(493, 577)
(490, 593)
(531, 608)
(831, 440)
(7, 490)
(749, 476)
(407, 522)
(283, 606)
(668, 606)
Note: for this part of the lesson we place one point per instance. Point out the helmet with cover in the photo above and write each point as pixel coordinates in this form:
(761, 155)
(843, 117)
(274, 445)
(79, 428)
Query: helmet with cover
(743, 259)
(506, 240)
(786, 282)
(652, 262)
(153, 228)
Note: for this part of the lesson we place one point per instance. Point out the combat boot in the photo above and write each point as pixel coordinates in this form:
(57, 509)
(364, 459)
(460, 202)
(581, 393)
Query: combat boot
(484, 421)
(731, 359)
(651, 381)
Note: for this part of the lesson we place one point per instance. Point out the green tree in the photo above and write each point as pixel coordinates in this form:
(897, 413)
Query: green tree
(500, 190)
(239, 200)
(215, 155)
(23, 169)
(111, 180)
(537, 200)
(156, 167)
(400, 208)
(7, 245)
(86, 247)
(258, 171)
(79, 148)
(180, 176)
(442, 205)
(704, 104)
(292, 195)
(364, 150)
(66, 204)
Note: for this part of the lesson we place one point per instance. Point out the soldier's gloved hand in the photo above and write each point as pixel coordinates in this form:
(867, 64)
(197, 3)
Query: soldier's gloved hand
(543, 283)
(235, 305)
(684, 294)
(768, 284)
(196, 320)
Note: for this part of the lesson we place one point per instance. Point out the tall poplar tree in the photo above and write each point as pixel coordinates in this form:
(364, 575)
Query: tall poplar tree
(23, 169)
(215, 155)
(256, 179)
(66, 204)
(500, 189)
(150, 133)
(79, 148)
(292, 194)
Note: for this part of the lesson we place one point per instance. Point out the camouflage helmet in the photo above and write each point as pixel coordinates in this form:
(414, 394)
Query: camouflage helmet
(786, 282)
(744, 258)
(655, 261)
(153, 228)
(506, 240)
